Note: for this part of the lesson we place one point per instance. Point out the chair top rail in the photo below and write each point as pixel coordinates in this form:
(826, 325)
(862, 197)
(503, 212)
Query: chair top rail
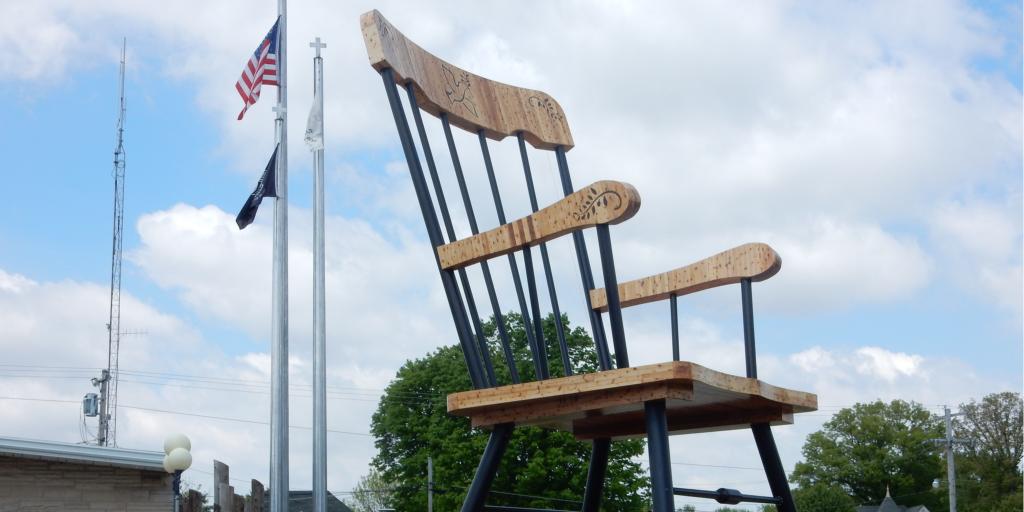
(472, 102)
(602, 202)
(755, 261)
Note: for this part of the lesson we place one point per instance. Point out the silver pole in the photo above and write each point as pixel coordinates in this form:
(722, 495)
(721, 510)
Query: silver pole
(279, 322)
(950, 463)
(319, 309)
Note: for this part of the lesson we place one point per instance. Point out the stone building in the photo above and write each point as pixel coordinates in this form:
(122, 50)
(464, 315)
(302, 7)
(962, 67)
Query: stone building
(50, 476)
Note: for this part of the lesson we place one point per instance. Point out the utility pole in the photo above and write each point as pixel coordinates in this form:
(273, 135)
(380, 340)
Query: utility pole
(949, 441)
(430, 484)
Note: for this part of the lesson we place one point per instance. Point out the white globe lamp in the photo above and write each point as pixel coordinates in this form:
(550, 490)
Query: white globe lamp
(177, 458)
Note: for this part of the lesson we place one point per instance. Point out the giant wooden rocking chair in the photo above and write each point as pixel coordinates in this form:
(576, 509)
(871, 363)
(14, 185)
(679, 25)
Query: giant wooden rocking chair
(617, 401)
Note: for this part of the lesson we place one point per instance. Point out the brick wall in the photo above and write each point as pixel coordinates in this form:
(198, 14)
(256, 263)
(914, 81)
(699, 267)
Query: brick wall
(38, 486)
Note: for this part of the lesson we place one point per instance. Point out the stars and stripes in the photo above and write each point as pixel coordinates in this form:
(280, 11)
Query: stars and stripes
(259, 71)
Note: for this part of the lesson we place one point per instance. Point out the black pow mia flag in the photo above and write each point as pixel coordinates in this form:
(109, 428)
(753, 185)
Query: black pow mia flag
(267, 187)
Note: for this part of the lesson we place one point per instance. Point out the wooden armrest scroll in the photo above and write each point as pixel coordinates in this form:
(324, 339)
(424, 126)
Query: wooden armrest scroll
(754, 261)
(603, 202)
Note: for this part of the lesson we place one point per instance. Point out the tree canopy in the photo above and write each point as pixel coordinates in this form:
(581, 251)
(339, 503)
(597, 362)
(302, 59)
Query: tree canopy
(865, 449)
(371, 494)
(988, 467)
(411, 424)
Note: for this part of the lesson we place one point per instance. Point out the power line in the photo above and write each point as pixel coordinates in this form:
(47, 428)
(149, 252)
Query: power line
(182, 413)
(715, 466)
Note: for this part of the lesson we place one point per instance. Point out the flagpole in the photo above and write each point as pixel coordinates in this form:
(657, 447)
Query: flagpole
(279, 322)
(319, 310)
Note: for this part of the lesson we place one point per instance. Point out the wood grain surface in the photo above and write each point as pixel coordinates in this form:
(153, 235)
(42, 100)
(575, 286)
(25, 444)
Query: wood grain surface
(602, 202)
(610, 403)
(755, 261)
(472, 102)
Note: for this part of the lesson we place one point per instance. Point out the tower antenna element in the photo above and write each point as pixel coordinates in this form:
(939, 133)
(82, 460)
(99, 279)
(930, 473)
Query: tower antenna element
(107, 382)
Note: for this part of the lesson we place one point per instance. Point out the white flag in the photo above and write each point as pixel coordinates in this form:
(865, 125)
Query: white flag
(315, 125)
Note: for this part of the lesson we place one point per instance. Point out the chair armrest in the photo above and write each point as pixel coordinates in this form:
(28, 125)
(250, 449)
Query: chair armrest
(603, 202)
(756, 262)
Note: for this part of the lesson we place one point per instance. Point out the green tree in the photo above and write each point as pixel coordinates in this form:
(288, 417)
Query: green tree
(822, 498)
(865, 448)
(411, 423)
(988, 469)
(372, 493)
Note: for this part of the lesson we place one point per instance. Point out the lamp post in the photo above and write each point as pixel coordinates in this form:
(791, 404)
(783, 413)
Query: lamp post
(177, 459)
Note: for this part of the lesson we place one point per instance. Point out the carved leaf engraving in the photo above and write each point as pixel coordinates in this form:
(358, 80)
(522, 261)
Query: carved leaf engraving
(595, 200)
(548, 106)
(458, 89)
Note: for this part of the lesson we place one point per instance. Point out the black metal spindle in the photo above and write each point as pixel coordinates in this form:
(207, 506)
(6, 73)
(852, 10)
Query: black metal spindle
(559, 328)
(538, 324)
(748, 328)
(611, 290)
(535, 338)
(604, 359)
(485, 353)
(675, 326)
(455, 303)
(499, 317)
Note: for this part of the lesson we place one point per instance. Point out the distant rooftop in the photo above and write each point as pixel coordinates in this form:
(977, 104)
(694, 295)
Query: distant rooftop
(82, 453)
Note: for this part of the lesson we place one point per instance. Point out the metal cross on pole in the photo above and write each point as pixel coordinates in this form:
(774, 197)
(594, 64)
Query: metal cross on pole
(319, 308)
(318, 45)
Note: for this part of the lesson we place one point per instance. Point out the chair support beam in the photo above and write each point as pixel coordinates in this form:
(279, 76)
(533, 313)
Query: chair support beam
(658, 454)
(488, 467)
(596, 475)
(773, 466)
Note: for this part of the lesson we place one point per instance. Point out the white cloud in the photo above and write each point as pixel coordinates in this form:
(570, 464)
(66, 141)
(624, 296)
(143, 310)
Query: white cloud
(54, 341)
(14, 283)
(836, 265)
(375, 287)
(982, 245)
(879, 362)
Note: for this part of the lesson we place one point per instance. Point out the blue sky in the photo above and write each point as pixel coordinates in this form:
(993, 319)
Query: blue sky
(889, 154)
(65, 203)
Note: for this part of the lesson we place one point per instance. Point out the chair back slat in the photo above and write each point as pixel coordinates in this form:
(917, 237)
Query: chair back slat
(749, 351)
(674, 307)
(474, 316)
(472, 102)
(455, 304)
(499, 318)
(535, 337)
(563, 347)
(604, 242)
(604, 359)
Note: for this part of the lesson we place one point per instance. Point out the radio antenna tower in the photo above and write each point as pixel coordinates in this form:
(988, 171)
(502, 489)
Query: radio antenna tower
(107, 382)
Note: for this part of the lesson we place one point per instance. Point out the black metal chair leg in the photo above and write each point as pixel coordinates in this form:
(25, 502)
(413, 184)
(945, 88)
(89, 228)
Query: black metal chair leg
(773, 466)
(496, 445)
(596, 474)
(657, 450)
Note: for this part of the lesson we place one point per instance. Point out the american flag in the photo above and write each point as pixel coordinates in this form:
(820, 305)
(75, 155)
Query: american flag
(260, 70)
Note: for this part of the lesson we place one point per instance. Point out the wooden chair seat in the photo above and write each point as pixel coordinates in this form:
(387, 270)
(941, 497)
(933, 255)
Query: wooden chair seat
(610, 404)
